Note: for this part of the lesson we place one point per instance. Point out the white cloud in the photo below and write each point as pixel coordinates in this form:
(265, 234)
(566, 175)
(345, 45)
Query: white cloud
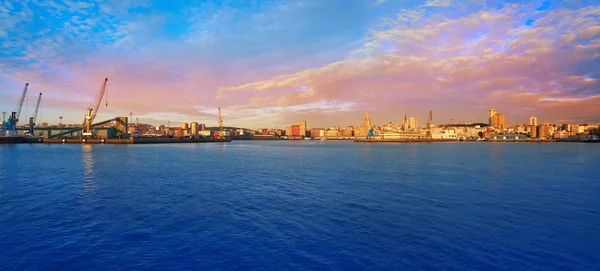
(438, 3)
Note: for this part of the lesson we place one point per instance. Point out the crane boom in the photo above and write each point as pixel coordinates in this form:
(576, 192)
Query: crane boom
(98, 101)
(20, 105)
(93, 109)
(37, 108)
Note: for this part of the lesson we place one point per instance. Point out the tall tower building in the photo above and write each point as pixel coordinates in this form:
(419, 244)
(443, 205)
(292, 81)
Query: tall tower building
(405, 124)
(498, 121)
(491, 115)
(367, 122)
(533, 121)
(302, 124)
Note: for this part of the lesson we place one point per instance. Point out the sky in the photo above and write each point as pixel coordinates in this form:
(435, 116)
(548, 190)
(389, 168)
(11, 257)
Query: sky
(270, 63)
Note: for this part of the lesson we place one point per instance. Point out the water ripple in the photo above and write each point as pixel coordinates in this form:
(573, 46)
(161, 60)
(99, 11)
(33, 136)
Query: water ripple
(299, 206)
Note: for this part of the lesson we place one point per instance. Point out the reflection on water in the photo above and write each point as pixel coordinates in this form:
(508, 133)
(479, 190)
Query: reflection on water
(88, 162)
(88, 194)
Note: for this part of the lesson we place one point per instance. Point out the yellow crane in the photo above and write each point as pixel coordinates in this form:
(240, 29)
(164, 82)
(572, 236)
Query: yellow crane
(428, 134)
(93, 110)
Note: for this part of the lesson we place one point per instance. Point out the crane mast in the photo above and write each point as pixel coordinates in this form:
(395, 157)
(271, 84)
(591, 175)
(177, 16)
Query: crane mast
(429, 120)
(20, 105)
(220, 123)
(37, 108)
(33, 119)
(93, 110)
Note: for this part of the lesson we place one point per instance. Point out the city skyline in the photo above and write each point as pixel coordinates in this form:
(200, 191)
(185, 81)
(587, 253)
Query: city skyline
(271, 63)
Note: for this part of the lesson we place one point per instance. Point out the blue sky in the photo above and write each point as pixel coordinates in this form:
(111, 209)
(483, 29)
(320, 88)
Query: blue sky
(270, 63)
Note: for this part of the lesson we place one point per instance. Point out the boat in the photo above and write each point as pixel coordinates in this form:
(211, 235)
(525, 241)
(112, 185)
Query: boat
(323, 139)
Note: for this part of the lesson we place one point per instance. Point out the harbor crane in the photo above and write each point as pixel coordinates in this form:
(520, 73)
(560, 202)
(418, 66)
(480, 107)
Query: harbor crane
(33, 119)
(220, 133)
(429, 120)
(13, 119)
(93, 110)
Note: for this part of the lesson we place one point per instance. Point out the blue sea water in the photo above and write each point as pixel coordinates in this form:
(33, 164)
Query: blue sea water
(300, 205)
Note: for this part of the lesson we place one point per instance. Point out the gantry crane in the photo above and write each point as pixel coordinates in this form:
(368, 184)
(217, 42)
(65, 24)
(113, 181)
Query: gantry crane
(13, 119)
(33, 119)
(429, 120)
(93, 110)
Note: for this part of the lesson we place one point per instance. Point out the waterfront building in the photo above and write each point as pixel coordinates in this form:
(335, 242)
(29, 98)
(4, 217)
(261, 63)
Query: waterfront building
(194, 128)
(363, 130)
(533, 131)
(332, 133)
(405, 124)
(544, 132)
(499, 120)
(184, 126)
(347, 133)
(496, 120)
(288, 130)
(574, 129)
(414, 123)
(302, 124)
(491, 115)
(295, 130)
(317, 132)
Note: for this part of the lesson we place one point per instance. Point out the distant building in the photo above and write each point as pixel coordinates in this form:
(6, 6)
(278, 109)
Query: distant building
(533, 121)
(496, 119)
(201, 127)
(367, 122)
(332, 133)
(404, 124)
(533, 131)
(544, 132)
(414, 123)
(295, 130)
(491, 115)
(194, 128)
(362, 131)
(302, 124)
(499, 121)
(347, 133)
(317, 132)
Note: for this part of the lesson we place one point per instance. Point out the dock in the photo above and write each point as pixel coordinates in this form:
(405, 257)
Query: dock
(403, 140)
(133, 140)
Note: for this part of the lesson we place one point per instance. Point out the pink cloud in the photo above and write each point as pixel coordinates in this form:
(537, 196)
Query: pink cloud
(438, 64)
(458, 67)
